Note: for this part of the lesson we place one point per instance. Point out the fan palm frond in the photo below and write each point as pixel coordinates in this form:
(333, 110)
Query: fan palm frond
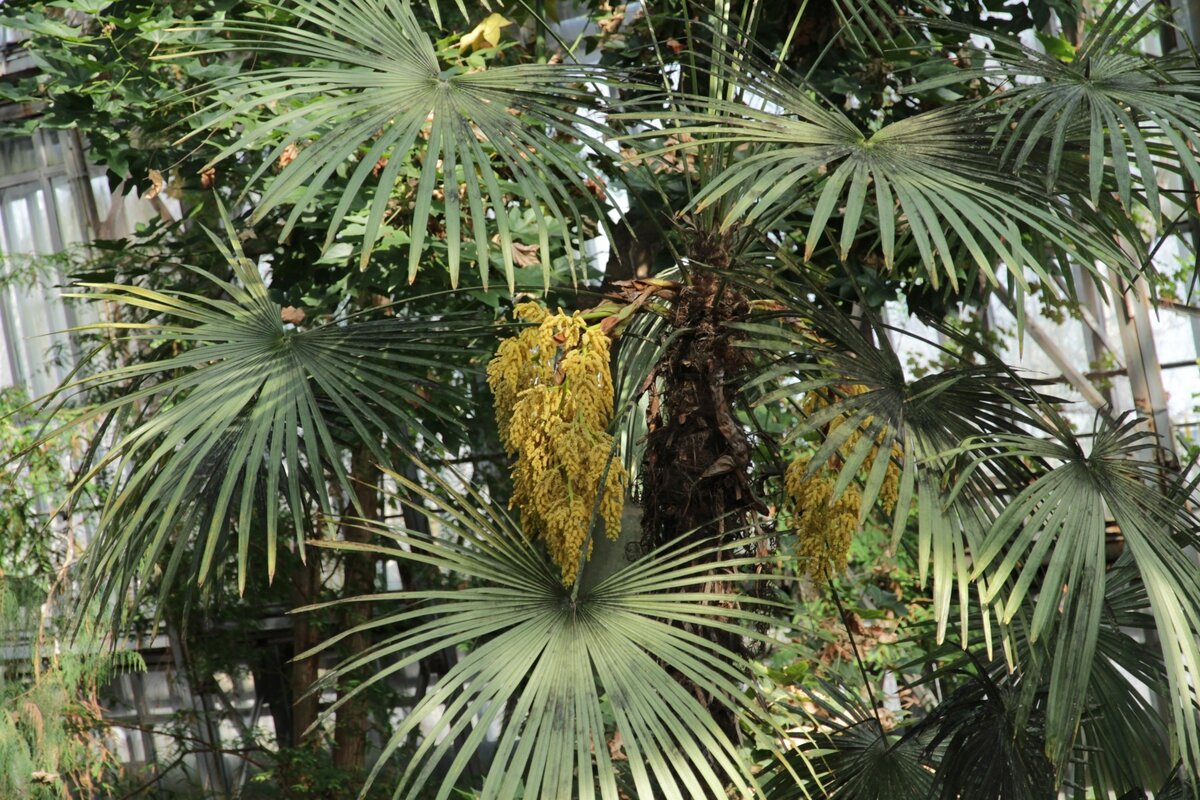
(369, 86)
(1122, 739)
(854, 756)
(1022, 524)
(872, 27)
(246, 412)
(1110, 104)
(986, 747)
(925, 181)
(1051, 539)
(549, 665)
(1177, 788)
(823, 350)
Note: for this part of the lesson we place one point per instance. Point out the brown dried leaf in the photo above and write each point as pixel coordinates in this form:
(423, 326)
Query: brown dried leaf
(156, 185)
(525, 255)
(616, 750)
(292, 315)
(288, 155)
(597, 188)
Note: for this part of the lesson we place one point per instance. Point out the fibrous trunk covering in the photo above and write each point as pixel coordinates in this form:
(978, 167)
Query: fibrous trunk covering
(695, 474)
(697, 455)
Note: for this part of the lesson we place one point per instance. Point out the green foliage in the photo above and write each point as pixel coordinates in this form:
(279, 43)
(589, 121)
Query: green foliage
(380, 82)
(887, 616)
(302, 773)
(855, 758)
(1106, 106)
(575, 678)
(787, 207)
(52, 736)
(97, 73)
(53, 740)
(30, 489)
(285, 394)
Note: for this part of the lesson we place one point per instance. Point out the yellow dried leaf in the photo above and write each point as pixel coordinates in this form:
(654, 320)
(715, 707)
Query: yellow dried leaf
(485, 34)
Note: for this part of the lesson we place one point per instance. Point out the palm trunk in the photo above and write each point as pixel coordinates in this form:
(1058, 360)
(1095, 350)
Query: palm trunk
(306, 585)
(697, 455)
(695, 470)
(353, 717)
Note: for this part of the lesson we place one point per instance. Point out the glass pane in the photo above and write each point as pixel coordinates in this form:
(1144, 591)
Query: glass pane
(43, 243)
(18, 228)
(17, 156)
(10, 368)
(11, 36)
(52, 147)
(26, 220)
(102, 195)
(33, 313)
(68, 211)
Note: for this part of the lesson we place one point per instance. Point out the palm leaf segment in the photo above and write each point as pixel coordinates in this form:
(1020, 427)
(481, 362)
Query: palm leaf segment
(372, 85)
(1109, 102)
(922, 181)
(560, 671)
(1123, 739)
(215, 434)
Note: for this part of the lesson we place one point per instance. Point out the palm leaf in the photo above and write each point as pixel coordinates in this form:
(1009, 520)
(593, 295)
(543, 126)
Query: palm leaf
(1109, 104)
(641, 346)
(986, 748)
(206, 442)
(1178, 787)
(545, 664)
(926, 182)
(369, 87)
(1057, 523)
(1122, 740)
(820, 349)
(854, 757)
(872, 27)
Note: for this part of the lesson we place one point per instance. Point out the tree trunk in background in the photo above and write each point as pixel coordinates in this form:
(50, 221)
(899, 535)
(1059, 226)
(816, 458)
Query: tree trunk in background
(306, 585)
(270, 670)
(353, 718)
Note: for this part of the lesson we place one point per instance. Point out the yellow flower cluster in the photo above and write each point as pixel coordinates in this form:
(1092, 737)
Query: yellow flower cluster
(554, 402)
(825, 525)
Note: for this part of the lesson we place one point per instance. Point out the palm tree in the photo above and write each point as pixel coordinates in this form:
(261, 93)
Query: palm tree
(786, 215)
